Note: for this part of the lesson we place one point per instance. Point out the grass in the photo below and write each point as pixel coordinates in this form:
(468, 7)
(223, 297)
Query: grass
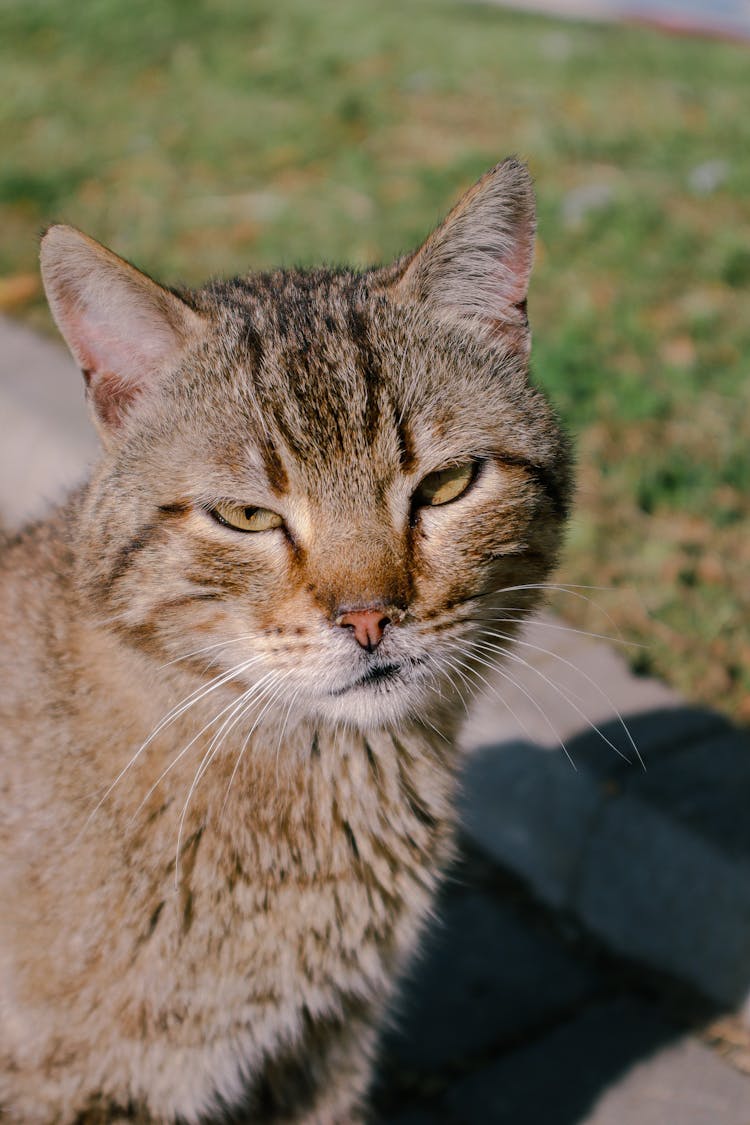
(202, 138)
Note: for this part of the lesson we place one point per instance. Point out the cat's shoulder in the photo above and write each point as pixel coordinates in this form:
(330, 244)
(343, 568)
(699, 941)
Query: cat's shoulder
(37, 564)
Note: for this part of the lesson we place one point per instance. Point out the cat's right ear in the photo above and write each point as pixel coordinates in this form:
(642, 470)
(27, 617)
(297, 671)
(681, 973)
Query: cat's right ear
(123, 329)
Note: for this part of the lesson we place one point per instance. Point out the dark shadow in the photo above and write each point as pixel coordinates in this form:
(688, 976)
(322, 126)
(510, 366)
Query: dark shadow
(594, 918)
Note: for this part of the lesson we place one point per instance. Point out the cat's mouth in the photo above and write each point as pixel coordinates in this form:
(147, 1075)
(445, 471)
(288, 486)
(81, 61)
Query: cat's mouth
(379, 674)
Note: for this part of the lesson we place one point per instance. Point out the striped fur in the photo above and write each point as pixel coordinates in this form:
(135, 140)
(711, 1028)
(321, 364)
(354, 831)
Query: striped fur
(223, 827)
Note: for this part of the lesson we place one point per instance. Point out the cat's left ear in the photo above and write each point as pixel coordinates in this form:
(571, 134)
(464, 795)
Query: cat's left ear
(474, 269)
(124, 330)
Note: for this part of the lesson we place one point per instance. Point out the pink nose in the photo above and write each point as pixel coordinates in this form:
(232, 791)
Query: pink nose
(368, 625)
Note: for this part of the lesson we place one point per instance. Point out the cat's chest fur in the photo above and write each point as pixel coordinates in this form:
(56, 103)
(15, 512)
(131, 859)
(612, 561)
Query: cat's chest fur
(303, 879)
(303, 906)
(299, 888)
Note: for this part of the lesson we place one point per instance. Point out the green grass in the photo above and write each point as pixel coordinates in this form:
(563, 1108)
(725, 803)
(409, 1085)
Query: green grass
(204, 139)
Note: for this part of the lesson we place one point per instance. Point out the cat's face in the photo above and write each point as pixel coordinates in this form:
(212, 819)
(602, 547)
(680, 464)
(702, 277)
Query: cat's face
(325, 487)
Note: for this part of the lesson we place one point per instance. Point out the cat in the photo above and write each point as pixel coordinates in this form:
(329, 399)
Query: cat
(234, 663)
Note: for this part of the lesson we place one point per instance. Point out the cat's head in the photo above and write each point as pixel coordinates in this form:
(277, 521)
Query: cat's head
(334, 483)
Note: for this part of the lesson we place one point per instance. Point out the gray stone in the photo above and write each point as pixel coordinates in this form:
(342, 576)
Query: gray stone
(685, 1084)
(47, 439)
(557, 685)
(531, 811)
(412, 1116)
(560, 1076)
(655, 863)
(656, 734)
(657, 891)
(705, 787)
(484, 976)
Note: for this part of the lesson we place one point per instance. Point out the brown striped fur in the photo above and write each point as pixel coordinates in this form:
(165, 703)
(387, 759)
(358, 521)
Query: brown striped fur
(187, 946)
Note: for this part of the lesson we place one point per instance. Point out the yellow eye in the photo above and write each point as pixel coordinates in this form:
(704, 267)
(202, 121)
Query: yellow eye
(444, 485)
(243, 518)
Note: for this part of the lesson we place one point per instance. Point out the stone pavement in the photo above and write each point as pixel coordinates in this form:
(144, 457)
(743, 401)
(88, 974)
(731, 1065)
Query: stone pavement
(592, 946)
(46, 439)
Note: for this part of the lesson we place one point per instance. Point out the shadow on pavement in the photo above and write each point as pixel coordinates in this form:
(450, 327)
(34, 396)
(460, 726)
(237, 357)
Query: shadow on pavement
(594, 917)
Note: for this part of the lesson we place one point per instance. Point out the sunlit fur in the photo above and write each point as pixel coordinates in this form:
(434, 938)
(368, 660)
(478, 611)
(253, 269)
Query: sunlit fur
(219, 847)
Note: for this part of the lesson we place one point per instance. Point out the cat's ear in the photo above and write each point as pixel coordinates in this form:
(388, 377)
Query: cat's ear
(474, 269)
(123, 329)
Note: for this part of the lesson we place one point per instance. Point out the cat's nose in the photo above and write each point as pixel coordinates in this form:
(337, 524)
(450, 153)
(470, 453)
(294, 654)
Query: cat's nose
(368, 625)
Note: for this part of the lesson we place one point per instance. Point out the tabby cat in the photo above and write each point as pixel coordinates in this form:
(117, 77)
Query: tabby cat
(232, 665)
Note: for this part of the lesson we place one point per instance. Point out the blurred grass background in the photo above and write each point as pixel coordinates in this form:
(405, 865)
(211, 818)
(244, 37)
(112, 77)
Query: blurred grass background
(211, 138)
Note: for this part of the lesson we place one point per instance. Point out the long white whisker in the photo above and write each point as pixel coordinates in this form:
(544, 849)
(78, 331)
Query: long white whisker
(571, 589)
(568, 696)
(490, 687)
(275, 691)
(240, 709)
(523, 617)
(439, 733)
(244, 704)
(551, 586)
(172, 715)
(455, 665)
(199, 694)
(178, 757)
(434, 681)
(208, 648)
(535, 703)
(589, 680)
(247, 700)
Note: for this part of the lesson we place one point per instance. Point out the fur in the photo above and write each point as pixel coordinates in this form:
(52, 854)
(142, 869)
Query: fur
(223, 819)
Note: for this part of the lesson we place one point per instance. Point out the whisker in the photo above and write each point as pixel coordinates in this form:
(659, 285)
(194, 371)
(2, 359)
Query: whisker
(571, 589)
(200, 693)
(247, 700)
(566, 586)
(275, 692)
(589, 679)
(434, 680)
(455, 665)
(209, 648)
(537, 622)
(439, 733)
(239, 711)
(568, 696)
(535, 703)
(493, 690)
(176, 712)
(233, 706)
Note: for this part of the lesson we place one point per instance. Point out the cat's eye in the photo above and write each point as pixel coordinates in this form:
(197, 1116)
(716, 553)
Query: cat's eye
(444, 485)
(242, 518)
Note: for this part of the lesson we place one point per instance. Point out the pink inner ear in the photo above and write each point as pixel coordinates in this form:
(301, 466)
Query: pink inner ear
(110, 391)
(133, 350)
(516, 269)
(125, 331)
(111, 395)
(114, 367)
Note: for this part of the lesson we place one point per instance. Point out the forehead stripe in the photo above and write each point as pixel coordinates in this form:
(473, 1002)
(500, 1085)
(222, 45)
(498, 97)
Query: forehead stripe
(274, 466)
(368, 365)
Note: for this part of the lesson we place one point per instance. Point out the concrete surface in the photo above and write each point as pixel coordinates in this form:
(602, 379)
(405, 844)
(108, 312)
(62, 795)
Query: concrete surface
(46, 439)
(654, 861)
